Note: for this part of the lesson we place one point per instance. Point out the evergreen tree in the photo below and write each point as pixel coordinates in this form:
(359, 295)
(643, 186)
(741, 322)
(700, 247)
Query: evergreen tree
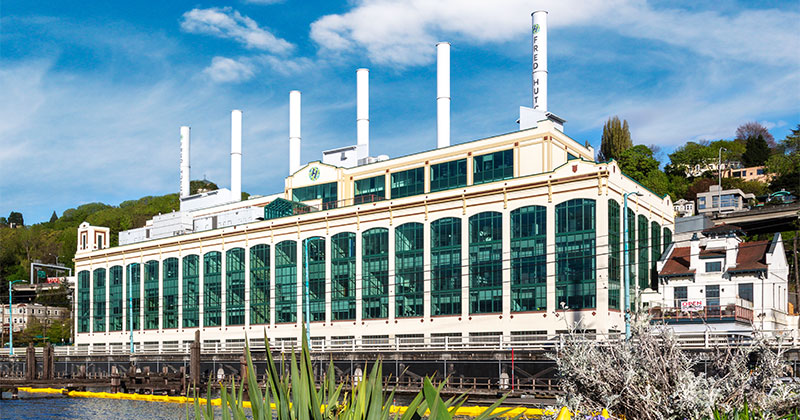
(54, 217)
(16, 218)
(616, 139)
(756, 151)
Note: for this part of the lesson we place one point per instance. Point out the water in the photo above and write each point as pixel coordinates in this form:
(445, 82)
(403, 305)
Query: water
(90, 409)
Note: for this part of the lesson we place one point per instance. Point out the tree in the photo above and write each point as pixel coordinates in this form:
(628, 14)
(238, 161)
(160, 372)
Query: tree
(786, 163)
(700, 185)
(757, 151)
(616, 139)
(198, 186)
(754, 129)
(54, 217)
(637, 162)
(3, 222)
(16, 219)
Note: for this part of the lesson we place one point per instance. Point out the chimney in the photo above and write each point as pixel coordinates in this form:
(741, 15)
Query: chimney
(294, 131)
(443, 94)
(185, 166)
(362, 112)
(236, 155)
(539, 33)
(731, 251)
(694, 253)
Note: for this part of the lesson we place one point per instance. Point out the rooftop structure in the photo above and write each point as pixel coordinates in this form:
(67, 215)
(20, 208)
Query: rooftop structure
(716, 200)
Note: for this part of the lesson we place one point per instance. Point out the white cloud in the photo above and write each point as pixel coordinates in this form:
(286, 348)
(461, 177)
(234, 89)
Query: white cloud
(263, 2)
(224, 70)
(402, 32)
(228, 23)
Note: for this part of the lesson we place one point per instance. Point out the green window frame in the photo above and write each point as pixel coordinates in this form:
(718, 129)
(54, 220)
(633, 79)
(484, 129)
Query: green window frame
(631, 215)
(84, 301)
(655, 242)
(446, 266)
(644, 253)
(375, 273)
(328, 193)
(151, 295)
(286, 282)
(409, 249)
(212, 289)
(575, 254)
(259, 284)
(316, 278)
(191, 291)
(667, 239)
(486, 263)
(448, 175)
(169, 310)
(234, 286)
(408, 183)
(133, 314)
(99, 294)
(493, 167)
(368, 190)
(614, 256)
(343, 276)
(115, 304)
(529, 259)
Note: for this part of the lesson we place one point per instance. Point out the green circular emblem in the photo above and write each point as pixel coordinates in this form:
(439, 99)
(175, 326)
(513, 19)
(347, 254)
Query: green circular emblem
(536, 28)
(313, 173)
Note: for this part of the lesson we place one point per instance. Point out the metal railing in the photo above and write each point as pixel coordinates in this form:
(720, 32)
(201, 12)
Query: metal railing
(730, 312)
(690, 340)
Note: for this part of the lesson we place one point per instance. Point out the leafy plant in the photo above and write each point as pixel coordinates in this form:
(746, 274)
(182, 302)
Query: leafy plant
(296, 396)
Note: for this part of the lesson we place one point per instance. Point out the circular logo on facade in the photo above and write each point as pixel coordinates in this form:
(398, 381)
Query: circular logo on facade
(313, 173)
(536, 28)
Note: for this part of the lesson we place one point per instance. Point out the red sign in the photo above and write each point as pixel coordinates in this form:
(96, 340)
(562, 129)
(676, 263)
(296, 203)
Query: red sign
(55, 280)
(692, 306)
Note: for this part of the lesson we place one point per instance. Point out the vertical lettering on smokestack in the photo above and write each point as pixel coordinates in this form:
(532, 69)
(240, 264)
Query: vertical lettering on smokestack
(539, 34)
(185, 167)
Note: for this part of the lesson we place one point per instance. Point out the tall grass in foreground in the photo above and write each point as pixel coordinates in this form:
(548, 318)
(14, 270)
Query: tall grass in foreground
(296, 396)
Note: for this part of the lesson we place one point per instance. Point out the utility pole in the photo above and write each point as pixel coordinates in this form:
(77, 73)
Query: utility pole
(626, 269)
(719, 172)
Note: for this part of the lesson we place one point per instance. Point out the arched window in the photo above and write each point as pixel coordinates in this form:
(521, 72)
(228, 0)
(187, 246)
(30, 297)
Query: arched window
(375, 273)
(212, 289)
(115, 305)
(234, 286)
(486, 263)
(667, 239)
(259, 284)
(286, 282)
(614, 260)
(169, 309)
(99, 292)
(151, 295)
(408, 268)
(644, 253)
(191, 291)
(134, 298)
(314, 256)
(343, 276)
(630, 216)
(529, 259)
(575, 254)
(655, 243)
(446, 266)
(84, 301)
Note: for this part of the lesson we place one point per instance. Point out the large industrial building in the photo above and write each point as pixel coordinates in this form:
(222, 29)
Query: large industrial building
(513, 235)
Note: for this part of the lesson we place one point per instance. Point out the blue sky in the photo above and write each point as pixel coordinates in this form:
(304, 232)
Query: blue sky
(92, 94)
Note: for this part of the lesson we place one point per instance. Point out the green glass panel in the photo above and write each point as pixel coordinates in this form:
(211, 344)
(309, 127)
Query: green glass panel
(375, 273)
(575, 254)
(191, 291)
(408, 183)
(409, 248)
(343, 276)
(529, 259)
(315, 256)
(234, 286)
(212, 289)
(286, 282)
(325, 192)
(99, 292)
(644, 253)
(115, 301)
(170, 293)
(447, 175)
(486, 263)
(259, 284)
(84, 301)
(493, 167)
(446, 266)
(134, 298)
(614, 256)
(370, 189)
(151, 295)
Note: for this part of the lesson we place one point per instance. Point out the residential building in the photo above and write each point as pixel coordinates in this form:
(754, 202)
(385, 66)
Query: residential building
(716, 200)
(684, 208)
(23, 313)
(753, 173)
(718, 282)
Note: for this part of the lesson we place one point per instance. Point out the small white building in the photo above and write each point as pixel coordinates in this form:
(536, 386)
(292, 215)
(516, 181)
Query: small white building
(684, 208)
(22, 313)
(722, 201)
(721, 283)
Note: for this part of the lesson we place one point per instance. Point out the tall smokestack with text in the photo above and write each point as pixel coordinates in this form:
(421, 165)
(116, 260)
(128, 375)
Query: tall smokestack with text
(294, 131)
(236, 155)
(185, 166)
(539, 33)
(362, 112)
(443, 94)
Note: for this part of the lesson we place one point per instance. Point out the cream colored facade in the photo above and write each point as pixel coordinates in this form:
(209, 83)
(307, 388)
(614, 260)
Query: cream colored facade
(543, 174)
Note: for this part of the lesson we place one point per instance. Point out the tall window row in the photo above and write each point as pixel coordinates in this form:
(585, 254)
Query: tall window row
(189, 292)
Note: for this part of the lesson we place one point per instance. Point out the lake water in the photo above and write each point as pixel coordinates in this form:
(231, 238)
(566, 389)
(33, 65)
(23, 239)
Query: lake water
(90, 409)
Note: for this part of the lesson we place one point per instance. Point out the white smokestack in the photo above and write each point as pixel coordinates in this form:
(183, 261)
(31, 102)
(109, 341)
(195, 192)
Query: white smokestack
(185, 167)
(294, 131)
(236, 155)
(539, 34)
(362, 112)
(443, 94)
